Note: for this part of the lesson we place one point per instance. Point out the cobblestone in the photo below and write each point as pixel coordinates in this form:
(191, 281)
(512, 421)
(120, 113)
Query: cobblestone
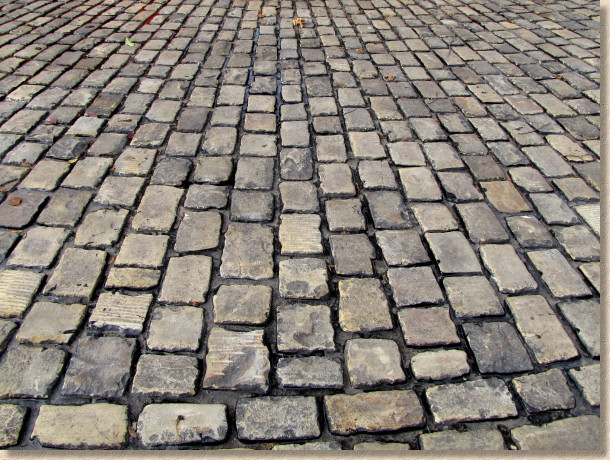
(279, 199)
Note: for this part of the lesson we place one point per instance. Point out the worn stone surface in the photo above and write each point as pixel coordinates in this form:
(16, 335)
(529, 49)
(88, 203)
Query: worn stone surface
(126, 313)
(241, 258)
(544, 391)
(427, 326)
(474, 440)
(304, 328)
(77, 273)
(242, 304)
(38, 247)
(373, 411)
(30, 372)
(37, 329)
(373, 362)
(363, 306)
(236, 361)
(473, 400)
(439, 365)
(12, 416)
(165, 376)
(561, 279)
(587, 378)
(507, 270)
(186, 280)
(577, 433)
(300, 234)
(453, 253)
(309, 372)
(303, 279)
(277, 417)
(198, 231)
(413, 286)
(584, 317)
(472, 296)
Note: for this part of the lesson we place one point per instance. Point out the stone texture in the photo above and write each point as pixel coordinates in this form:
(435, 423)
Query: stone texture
(242, 304)
(20, 216)
(38, 247)
(198, 231)
(485, 399)
(30, 372)
(89, 426)
(576, 433)
(587, 379)
(413, 286)
(277, 418)
(37, 329)
(373, 362)
(388, 209)
(124, 313)
(584, 317)
(309, 372)
(17, 289)
(545, 391)
(175, 328)
(300, 234)
(481, 223)
(304, 328)
(12, 416)
(176, 424)
(562, 280)
(453, 253)
(303, 279)
(236, 361)
(373, 412)
(474, 440)
(542, 331)
(352, 254)
(504, 197)
(507, 270)
(165, 376)
(439, 365)
(187, 279)
(363, 306)
(157, 210)
(427, 326)
(142, 250)
(76, 274)
(242, 259)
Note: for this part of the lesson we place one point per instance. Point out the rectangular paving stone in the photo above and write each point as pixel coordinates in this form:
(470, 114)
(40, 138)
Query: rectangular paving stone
(198, 231)
(363, 306)
(336, 179)
(330, 148)
(134, 162)
(497, 348)
(77, 273)
(309, 372)
(366, 145)
(118, 312)
(544, 391)
(413, 286)
(206, 196)
(46, 175)
(142, 250)
(304, 329)
(401, 247)
(236, 361)
(474, 440)
(590, 214)
(372, 412)
(13, 416)
(294, 134)
(119, 191)
(553, 209)
(175, 328)
(242, 259)
(584, 317)
(453, 253)
(481, 223)
(472, 296)
(87, 173)
(101, 228)
(419, 184)
(177, 424)
(30, 372)
(427, 326)
(373, 362)
(580, 433)
(254, 173)
(542, 331)
(507, 270)
(169, 376)
(439, 365)
(588, 381)
(38, 247)
(300, 234)
(305, 278)
(157, 210)
(187, 279)
(485, 399)
(65, 208)
(388, 209)
(89, 426)
(17, 289)
(37, 329)
(242, 304)
(277, 418)
(352, 254)
(505, 197)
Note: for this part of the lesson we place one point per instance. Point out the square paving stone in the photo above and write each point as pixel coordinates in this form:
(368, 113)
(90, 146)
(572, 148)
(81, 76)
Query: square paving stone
(336, 179)
(299, 197)
(504, 197)
(587, 379)
(87, 426)
(530, 179)
(472, 296)
(150, 135)
(206, 196)
(165, 376)
(309, 372)
(427, 326)
(38, 247)
(388, 209)
(86, 126)
(65, 208)
(376, 174)
(77, 273)
(119, 191)
(507, 270)
(413, 286)
(575, 189)
(530, 232)
(352, 254)
(30, 372)
(254, 173)
(553, 209)
(197, 423)
(242, 304)
(108, 144)
(119, 312)
(485, 399)
(252, 206)
(330, 148)
(277, 418)
(99, 367)
(579, 242)
(87, 173)
(17, 289)
(68, 148)
(366, 145)
(419, 184)
(459, 187)
(304, 328)
(442, 156)
(157, 209)
(434, 217)
(142, 250)
(439, 365)
(37, 328)
(497, 348)
(212, 170)
(401, 247)
(183, 144)
(453, 253)
(584, 317)
(171, 171)
(236, 361)
(261, 145)
(300, 234)
(541, 329)
(101, 228)
(579, 433)
(198, 231)
(545, 391)
(406, 154)
(187, 279)
(561, 279)
(296, 164)
(481, 223)
(373, 362)
(475, 440)
(372, 412)
(13, 417)
(345, 215)
(363, 306)
(134, 162)
(241, 258)
(46, 175)
(175, 328)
